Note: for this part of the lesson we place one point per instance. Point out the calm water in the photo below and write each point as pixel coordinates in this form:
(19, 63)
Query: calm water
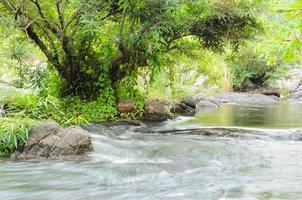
(167, 162)
(282, 115)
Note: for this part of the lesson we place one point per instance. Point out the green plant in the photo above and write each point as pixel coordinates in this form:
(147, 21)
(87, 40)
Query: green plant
(12, 134)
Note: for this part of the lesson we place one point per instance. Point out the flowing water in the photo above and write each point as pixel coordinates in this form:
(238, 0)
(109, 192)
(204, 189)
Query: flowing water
(170, 161)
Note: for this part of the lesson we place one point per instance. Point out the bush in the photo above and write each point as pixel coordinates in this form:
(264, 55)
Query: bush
(65, 111)
(12, 134)
(250, 69)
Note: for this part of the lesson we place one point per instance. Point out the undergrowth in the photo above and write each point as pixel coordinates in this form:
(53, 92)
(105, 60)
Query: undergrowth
(12, 134)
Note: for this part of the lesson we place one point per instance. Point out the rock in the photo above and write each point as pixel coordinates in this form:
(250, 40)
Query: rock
(213, 132)
(296, 95)
(11, 80)
(296, 136)
(269, 91)
(193, 105)
(49, 141)
(248, 85)
(183, 109)
(291, 83)
(126, 106)
(155, 111)
(228, 132)
(192, 101)
(244, 98)
(123, 122)
(206, 105)
(6, 90)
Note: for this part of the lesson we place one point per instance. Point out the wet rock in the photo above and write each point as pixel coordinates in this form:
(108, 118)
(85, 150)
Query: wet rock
(296, 136)
(228, 132)
(183, 109)
(126, 106)
(269, 91)
(193, 105)
(215, 132)
(206, 105)
(296, 95)
(192, 101)
(49, 141)
(245, 98)
(155, 111)
(123, 122)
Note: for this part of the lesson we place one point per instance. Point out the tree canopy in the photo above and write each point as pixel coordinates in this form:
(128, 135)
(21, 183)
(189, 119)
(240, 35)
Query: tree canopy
(96, 43)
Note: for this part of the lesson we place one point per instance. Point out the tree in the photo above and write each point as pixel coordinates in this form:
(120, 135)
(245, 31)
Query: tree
(88, 41)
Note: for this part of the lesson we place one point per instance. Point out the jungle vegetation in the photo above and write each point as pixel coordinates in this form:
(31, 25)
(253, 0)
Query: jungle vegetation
(74, 60)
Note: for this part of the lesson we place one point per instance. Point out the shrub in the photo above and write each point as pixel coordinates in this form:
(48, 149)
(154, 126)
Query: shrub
(247, 66)
(12, 134)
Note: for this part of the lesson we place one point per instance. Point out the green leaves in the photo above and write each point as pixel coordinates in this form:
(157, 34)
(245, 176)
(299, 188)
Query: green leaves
(12, 134)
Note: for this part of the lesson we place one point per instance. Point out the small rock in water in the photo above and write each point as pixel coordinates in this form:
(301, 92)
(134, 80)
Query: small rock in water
(49, 141)
(296, 136)
(123, 122)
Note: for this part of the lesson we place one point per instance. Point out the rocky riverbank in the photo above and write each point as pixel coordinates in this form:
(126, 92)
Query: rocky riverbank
(50, 141)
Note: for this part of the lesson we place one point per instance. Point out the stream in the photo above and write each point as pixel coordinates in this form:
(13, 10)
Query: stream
(172, 160)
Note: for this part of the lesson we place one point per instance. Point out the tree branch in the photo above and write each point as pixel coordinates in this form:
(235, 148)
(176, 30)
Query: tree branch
(48, 23)
(60, 12)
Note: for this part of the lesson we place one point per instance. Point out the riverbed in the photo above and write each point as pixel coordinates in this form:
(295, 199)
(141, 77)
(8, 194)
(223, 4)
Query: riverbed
(170, 160)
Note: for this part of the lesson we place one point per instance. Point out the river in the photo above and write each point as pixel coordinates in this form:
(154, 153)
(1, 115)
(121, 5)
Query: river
(170, 161)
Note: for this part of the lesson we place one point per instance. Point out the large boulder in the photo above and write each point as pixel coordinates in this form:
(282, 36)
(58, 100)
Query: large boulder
(49, 141)
(126, 106)
(156, 111)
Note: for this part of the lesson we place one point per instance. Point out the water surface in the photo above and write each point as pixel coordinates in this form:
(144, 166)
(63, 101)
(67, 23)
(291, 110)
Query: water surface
(162, 162)
(282, 115)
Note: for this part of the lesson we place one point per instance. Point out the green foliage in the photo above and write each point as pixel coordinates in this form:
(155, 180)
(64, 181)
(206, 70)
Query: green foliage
(78, 112)
(248, 66)
(67, 111)
(101, 52)
(88, 42)
(12, 134)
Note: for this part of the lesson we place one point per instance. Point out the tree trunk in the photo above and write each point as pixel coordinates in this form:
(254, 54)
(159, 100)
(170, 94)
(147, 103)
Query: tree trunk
(77, 83)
